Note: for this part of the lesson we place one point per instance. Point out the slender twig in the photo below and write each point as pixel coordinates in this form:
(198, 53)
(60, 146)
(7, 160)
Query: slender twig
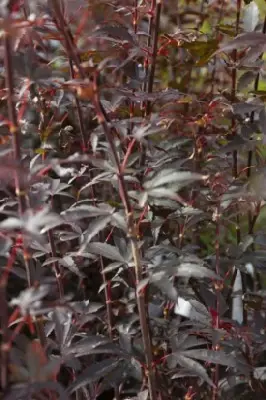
(4, 339)
(155, 37)
(101, 115)
(221, 11)
(233, 97)
(250, 153)
(4, 318)
(146, 61)
(252, 218)
(235, 156)
(217, 318)
(34, 93)
(132, 103)
(61, 26)
(14, 128)
(74, 57)
(156, 8)
(17, 156)
(56, 265)
(135, 250)
(57, 268)
(69, 42)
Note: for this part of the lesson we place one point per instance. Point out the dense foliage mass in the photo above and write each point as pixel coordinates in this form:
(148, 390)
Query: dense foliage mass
(132, 199)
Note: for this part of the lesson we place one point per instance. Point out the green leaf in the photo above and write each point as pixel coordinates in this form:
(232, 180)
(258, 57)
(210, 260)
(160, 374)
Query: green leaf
(199, 48)
(206, 27)
(262, 7)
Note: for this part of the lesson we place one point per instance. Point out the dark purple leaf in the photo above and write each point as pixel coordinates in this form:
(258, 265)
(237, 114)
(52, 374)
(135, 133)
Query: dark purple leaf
(81, 211)
(111, 267)
(116, 32)
(85, 346)
(190, 270)
(94, 228)
(29, 391)
(94, 372)
(142, 285)
(262, 122)
(62, 324)
(170, 176)
(244, 40)
(30, 299)
(245, 79)
(117, 376)
(194, 367)
(160, 280)
(69, 263)
(246, 108)
(5, 244)
(215, 357)
(105, 250)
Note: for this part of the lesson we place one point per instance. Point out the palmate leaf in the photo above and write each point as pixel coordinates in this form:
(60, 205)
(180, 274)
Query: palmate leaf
(236, 143)
(88, 345)
(40, 368)
(162, 192)
(93, 345)
(191, 267)
(30, 391)
(81, 211)
(163, 283)
(219, 357)
(260, 373)
(117, 32)
(192, 366)
(94, 228)
(42, 221)
(116, 376)
(111, 267)
(105, 250)
(230, 383)
(211, 356)
(94, 372)
(242, 108)
(118, 219)
(245, 40)
(245, 79)
(62, 324)
(69, 263)
(5, 244)
(188, 342)
(262, 122)
(31, 299)
(190, 270)
(103, 177)
(11, 223)
(169, 176)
